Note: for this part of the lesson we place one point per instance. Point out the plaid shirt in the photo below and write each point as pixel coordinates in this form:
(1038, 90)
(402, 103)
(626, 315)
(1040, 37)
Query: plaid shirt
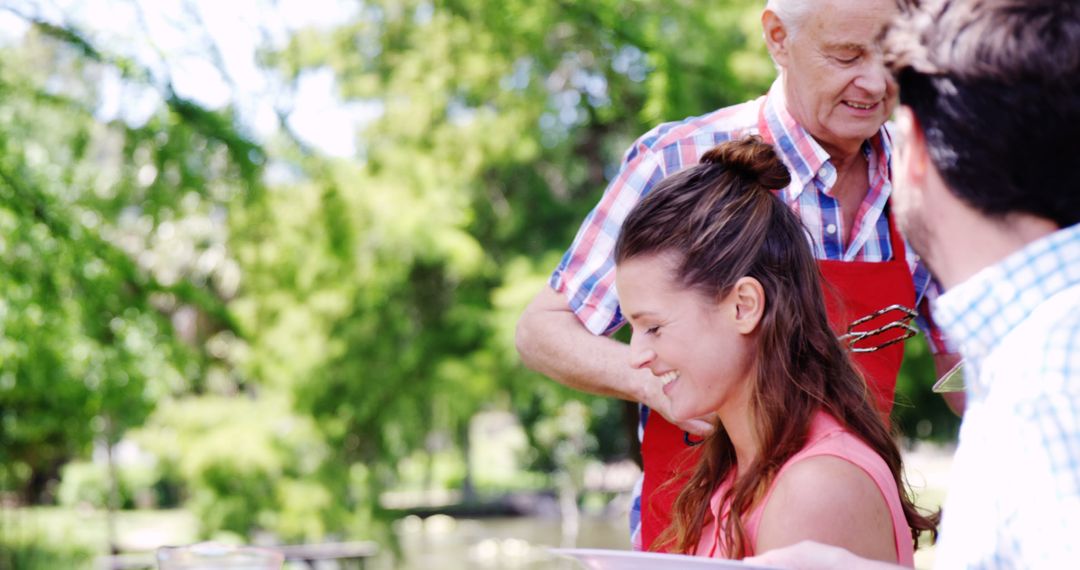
(586, 275)
(1015, 497)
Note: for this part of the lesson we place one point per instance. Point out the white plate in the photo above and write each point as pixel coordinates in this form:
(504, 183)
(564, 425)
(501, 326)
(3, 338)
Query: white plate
(600, 559)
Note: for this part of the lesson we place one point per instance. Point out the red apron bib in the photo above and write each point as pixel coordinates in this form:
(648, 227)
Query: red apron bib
(852, 289)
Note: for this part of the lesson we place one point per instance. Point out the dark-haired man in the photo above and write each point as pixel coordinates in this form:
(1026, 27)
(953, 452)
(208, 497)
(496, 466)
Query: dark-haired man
(824, 115)
(988, 193)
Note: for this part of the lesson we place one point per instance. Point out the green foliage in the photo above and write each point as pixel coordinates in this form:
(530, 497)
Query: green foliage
(70, 539)
(919, 413)
(37, 554)
(24, 545)
(247, 464)
(84, 483)
(114, 293)
(500, 125)
(79, 343)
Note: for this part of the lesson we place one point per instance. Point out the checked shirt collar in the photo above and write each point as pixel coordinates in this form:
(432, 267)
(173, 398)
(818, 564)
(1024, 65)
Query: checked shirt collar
(982, 310)
(805, 157)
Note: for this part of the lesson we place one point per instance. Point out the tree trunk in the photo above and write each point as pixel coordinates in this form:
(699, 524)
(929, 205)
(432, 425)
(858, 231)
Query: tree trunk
(36, 491)
(468, 490)
(113, 501)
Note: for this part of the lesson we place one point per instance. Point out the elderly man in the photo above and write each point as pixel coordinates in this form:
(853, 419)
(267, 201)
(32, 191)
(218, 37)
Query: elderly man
(987, 193)
(824, 114)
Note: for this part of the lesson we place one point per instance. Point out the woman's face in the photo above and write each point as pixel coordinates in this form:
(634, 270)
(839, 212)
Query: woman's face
(688, 341)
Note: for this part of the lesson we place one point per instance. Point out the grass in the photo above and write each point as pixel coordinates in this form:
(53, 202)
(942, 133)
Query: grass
(87, 528)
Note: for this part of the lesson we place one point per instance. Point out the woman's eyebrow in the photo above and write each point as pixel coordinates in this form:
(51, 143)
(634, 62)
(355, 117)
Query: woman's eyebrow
(638, 315)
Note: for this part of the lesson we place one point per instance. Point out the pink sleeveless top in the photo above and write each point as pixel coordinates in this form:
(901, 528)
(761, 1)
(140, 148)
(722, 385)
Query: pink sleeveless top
(826, 437)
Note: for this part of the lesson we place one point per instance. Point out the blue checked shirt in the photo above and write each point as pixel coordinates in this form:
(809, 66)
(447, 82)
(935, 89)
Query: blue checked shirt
(586, 275)
(1014, 493)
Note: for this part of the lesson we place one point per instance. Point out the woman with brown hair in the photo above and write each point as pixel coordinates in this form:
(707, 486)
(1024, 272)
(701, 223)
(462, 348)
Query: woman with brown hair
(716, 277)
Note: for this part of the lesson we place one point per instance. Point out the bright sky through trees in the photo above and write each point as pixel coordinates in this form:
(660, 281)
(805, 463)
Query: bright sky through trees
(208, 50)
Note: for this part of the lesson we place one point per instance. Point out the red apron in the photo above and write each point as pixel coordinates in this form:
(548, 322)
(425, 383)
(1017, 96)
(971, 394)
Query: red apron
(852, 289)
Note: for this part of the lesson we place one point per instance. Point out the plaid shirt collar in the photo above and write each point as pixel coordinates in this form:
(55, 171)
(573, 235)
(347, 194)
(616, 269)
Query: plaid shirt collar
(805, 157)
(982, 310)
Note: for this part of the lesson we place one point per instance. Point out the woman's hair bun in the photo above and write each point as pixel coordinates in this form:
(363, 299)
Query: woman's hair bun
(752, 159)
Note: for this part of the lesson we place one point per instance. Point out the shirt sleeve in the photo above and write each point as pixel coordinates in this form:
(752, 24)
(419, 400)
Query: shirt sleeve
(586, 274)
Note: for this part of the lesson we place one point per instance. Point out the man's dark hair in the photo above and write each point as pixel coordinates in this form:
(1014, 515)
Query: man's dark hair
(995, 85)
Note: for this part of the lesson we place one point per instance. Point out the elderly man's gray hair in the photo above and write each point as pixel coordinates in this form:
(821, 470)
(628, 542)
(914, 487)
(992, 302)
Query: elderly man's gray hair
(791, 12)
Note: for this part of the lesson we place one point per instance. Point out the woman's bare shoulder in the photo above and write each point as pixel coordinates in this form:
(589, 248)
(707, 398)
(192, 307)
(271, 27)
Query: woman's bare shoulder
(831, 500)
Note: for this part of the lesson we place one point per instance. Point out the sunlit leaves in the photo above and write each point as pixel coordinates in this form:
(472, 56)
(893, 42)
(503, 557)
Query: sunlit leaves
(500, 123)
(114, 275)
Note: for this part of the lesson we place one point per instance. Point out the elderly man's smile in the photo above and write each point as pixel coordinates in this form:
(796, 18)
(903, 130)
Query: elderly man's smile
(861, 106)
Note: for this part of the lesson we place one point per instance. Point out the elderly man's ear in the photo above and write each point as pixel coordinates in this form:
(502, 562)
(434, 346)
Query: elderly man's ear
(776, 36)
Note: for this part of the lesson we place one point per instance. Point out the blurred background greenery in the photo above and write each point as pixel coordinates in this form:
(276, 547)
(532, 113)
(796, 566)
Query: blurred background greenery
(262, 260)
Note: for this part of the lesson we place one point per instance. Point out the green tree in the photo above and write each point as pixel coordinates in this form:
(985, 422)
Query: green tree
(500, 124)
(89, 293)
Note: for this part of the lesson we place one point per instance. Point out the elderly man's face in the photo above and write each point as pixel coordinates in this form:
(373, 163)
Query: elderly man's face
(836, 85)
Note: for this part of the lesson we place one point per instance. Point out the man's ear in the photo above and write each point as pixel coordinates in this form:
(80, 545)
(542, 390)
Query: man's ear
(748, 297)
(776, 36)
(911, 140)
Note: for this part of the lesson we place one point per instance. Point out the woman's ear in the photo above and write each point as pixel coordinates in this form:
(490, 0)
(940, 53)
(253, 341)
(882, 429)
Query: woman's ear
(749, 298)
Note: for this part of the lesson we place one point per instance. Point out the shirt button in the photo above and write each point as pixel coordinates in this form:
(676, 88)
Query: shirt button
(831, 229)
